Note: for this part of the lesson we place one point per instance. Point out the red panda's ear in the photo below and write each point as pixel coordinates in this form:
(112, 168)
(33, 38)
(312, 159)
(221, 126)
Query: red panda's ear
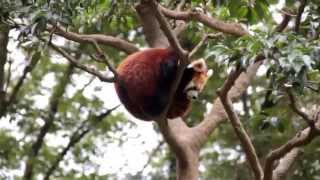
(199, 66)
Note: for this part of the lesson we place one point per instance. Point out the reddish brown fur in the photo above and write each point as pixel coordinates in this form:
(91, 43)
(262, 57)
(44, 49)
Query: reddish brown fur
(139, 75)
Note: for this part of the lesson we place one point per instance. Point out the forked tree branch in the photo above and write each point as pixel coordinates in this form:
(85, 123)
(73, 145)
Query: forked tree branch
(165, 27)
(302, 138)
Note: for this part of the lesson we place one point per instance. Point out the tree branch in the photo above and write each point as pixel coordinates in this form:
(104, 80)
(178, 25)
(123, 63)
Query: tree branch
(53, 107)
(31, 65)
(76, 137)
(4, 38)
(75, 62)
(302, 138)
(151, 156)
(99, 38)
(217, 114)
(294, 107)
(299, 15)
(237, 125)
(226, 27)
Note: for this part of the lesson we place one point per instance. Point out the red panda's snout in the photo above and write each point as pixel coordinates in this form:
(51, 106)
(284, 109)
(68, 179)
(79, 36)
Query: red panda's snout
(196, 85)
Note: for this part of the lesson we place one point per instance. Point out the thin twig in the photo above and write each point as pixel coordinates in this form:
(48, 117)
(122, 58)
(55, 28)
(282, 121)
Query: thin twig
(31, 65)
(199, 45)
(202, 42)
(76, 137)
(90, 70)
(102, 56)
(151, 156)
(294, 107)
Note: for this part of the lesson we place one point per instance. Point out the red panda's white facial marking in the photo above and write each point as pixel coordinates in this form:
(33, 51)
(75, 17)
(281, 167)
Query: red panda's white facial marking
(196, 85)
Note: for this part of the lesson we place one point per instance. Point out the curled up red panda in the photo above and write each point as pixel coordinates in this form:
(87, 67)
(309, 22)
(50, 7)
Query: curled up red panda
(145, 79)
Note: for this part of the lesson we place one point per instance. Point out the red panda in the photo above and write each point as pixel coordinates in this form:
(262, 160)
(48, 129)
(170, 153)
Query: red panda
(145, 79)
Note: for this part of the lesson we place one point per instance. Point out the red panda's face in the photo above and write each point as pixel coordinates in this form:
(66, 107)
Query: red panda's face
(199, 79)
